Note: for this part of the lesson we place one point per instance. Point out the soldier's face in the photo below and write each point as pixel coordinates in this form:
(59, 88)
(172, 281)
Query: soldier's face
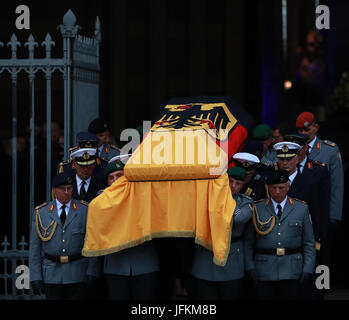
(112, 177)
(103, 138)
(311, 131)
(288, 164)
(235, 185)
(63, 193)
(83, 172)
(278, 191)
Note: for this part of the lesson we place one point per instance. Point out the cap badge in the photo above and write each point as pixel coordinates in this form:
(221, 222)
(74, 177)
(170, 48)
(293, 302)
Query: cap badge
(88, 144)
(306, 124)
(86, 156)
(245, 164)
(284, 148)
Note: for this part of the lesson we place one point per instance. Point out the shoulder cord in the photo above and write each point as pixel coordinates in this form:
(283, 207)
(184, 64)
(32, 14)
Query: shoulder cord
(43, 237)
(255, 219)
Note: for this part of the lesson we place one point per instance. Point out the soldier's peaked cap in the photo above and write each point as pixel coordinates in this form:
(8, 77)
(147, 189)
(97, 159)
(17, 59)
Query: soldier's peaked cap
(286, 149)
(84, 156)
(298, 138)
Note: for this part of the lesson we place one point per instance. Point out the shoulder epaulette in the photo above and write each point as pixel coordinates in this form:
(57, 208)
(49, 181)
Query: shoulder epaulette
(72, 149)
(260, 200)
(330, 143)
(245, 196)
(300, 201)
(41, 206)
(319, 163)
(84, 203)
(65, 162)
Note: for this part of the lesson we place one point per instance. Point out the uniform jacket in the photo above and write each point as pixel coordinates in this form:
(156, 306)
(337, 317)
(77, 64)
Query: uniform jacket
(203, 266)
(67, 240)
(109, 151)
(134, 261)
(96, 184)
(313, 187)
(328, 153)
(292, 231)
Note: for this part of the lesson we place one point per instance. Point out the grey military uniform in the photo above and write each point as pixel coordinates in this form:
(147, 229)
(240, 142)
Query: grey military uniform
(269, 158)
(134, 261)
(67, 240)
(294, 230)
(328, 153)
(109, 151)
(203, 266)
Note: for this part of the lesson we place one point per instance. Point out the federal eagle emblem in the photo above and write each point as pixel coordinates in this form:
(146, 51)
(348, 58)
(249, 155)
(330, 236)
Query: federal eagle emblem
(210, 116)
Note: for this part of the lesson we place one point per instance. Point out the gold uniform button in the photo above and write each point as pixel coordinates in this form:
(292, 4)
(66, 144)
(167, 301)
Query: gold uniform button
(279, 234)
(279, 224)
(279, 244)
(63, 240)
(63, 250)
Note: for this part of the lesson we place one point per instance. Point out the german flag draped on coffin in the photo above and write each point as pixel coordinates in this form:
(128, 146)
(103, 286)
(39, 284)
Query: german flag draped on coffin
(174, 183)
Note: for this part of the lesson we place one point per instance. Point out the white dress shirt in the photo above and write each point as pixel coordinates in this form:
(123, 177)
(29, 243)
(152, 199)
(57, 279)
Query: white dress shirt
(59, 207)
(311, 144)
(292, 176)
(79, 181)
(275, 204)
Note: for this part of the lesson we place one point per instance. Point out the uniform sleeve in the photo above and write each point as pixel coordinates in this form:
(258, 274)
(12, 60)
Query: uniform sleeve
(337, 185)
(35, 268)
(243, 212)
(309, 253)
(249, 240)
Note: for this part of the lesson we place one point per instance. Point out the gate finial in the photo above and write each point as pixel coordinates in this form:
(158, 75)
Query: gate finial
(31, 44)
(69, 29)
(14, 44)
(98, 35)
(48, 43)
(69, 19)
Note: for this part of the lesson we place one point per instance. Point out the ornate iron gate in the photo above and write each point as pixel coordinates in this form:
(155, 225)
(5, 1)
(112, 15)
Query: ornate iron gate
(80, 60)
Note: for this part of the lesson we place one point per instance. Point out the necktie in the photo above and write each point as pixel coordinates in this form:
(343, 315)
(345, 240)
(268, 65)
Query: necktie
(82, 190)
(279, 211)
(63, 215)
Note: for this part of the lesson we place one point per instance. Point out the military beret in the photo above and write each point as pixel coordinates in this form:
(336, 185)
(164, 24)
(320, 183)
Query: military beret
(84, 156)
(246, 161)
(277, 177)
(254, 147)
(97, 126)
(262, 132)
(62, 179)
(237, 173)
(87, 140)
(286, 149)
(298, 138)
(112, 167)
(305, 119)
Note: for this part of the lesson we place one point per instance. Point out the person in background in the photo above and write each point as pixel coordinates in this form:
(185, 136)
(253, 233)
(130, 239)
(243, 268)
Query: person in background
(100, 128)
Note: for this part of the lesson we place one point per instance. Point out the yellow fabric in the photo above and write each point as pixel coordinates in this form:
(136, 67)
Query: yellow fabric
(129, 213)
(176, 155)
